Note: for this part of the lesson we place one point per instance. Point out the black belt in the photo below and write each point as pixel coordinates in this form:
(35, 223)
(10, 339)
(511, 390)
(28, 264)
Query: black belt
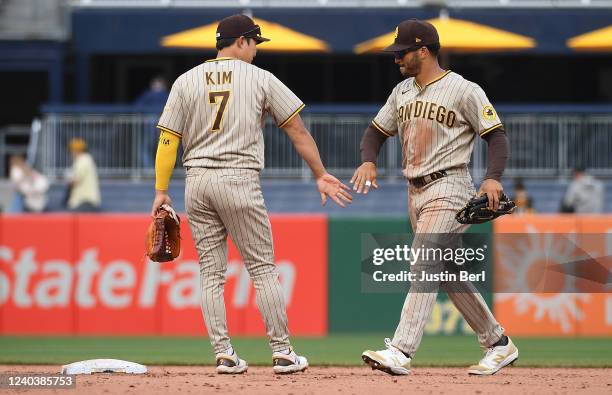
(420, 182)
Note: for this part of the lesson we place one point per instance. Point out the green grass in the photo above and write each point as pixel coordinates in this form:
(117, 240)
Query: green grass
(332, 350)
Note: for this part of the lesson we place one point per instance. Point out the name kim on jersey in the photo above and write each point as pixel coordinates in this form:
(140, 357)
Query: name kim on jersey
(426, 110)
(218, 78)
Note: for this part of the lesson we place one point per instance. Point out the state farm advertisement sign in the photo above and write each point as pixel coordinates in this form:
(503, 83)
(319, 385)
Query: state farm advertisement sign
(87, 274)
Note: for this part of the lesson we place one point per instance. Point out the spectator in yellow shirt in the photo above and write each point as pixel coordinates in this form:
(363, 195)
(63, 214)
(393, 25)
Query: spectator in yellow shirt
(84, 188)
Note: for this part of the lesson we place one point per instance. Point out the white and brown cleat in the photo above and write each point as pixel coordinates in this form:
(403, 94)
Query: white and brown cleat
(288, 362)
(391, 361)
(495, 359)
(229, 363)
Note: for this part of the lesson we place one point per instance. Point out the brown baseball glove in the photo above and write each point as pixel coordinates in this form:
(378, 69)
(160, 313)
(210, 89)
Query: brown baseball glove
(163, 242)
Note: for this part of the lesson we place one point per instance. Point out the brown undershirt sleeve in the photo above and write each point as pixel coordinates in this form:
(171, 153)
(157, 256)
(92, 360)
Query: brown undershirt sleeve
(497, 153)
(370, 145)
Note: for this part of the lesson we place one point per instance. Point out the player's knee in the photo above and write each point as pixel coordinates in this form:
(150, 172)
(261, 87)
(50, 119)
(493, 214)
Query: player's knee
(261, 267)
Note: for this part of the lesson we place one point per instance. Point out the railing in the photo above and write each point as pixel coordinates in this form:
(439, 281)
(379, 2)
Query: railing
(34, 19)
(543, 143)
(345, 3)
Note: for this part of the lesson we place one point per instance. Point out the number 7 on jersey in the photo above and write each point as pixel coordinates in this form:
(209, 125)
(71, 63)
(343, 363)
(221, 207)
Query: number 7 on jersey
(212, 99)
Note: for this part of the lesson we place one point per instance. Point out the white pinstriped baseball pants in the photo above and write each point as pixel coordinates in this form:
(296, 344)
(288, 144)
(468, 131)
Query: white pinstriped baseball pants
(432, 209)
(229, 201)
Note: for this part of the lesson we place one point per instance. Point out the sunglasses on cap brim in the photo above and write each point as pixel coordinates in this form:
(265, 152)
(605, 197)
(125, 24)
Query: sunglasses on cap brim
(255, 34)
(403, 52)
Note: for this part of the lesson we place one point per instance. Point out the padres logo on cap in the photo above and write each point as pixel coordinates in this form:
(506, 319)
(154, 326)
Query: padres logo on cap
(489, 113)
(396, 32)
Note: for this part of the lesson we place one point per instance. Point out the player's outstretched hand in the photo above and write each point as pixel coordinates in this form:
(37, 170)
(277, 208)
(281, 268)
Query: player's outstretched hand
(329, 185)
(493, 189)
(161, 197)
(364, 178)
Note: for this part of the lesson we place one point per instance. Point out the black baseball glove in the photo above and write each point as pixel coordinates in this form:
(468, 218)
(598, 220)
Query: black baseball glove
(476, 211)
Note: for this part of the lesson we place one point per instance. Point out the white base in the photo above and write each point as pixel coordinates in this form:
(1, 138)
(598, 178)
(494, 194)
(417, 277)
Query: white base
(104, 366)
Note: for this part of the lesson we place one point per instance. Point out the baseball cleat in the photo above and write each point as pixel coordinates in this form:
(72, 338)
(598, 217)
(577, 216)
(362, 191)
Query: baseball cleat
(495, 359)
(229, 363)
(288, 362)
(391, 360)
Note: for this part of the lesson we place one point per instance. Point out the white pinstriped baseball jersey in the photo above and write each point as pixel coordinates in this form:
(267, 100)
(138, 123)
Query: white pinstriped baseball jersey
(219, 108)
(437, 123)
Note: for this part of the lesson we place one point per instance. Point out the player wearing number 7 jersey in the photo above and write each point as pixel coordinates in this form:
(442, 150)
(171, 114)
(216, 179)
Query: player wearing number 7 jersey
(217, 110)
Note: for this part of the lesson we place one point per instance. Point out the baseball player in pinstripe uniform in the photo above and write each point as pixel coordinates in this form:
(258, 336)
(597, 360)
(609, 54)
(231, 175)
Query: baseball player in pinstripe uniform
(437, 115)
(217, 110)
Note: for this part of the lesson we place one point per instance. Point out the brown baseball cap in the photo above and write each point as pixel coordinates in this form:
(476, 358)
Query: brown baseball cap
(239, 25)
(413, 34)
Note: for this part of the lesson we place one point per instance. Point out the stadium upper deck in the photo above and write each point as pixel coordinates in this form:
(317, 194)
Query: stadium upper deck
(346, 3)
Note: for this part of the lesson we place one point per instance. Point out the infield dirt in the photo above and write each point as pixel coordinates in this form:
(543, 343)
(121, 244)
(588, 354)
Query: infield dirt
(331, 380)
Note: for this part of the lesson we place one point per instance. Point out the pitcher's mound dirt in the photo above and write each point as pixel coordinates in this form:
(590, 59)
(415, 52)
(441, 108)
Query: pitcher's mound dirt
(333, 380)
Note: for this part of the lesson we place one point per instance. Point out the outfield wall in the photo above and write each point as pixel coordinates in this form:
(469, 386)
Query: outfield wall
(87, 274)
(350, 309)
(556, 314)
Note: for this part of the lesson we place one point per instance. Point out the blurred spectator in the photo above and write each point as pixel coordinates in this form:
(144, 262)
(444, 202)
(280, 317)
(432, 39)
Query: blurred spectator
(153, 98)
(84, 194)
(156, 95)
(31, 186)
(584, 195)
(521, 198)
